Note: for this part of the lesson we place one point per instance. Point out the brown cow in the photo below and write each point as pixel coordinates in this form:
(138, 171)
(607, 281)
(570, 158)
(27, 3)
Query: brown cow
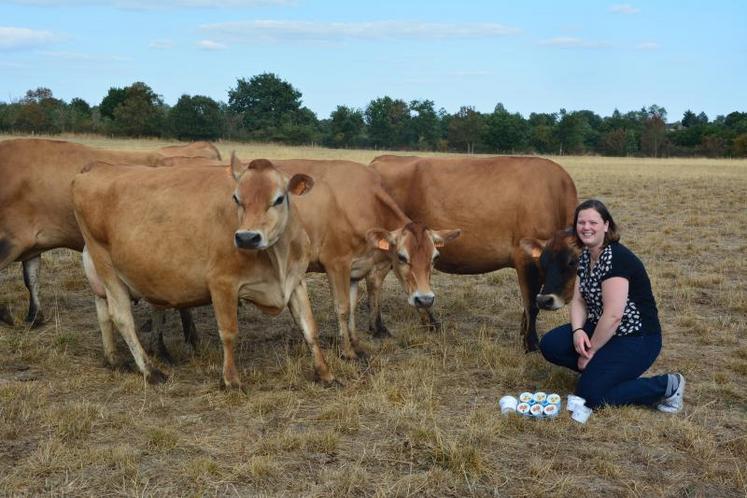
(190, 236)
(508, 209)
(36, 211)
(357, 230)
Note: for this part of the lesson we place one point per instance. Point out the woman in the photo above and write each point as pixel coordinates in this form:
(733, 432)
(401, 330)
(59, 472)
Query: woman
(614, 335)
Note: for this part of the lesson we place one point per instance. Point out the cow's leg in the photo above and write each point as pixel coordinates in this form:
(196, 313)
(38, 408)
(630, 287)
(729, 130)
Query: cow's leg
(189, 329)
(157, 346)
(374, 283)
(10, 250)
(31, 269)
(300, 308)
(107, 331)
(339, 282)
(120, 309)
(529, 284)
(226, 307)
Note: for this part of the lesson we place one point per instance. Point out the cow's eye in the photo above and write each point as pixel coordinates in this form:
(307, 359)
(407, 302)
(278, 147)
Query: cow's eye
(236, 200)
(402, 258)
(279, 201)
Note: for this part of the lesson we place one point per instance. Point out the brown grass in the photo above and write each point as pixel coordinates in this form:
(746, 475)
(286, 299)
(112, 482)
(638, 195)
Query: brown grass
(420, 417)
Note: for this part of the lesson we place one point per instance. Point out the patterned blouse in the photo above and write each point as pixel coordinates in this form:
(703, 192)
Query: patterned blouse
(640, 316)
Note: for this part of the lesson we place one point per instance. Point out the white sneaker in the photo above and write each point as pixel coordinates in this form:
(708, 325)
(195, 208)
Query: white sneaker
(675, 402)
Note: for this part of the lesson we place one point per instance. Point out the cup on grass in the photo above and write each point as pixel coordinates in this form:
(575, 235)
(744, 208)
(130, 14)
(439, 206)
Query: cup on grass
(508, 404)
(581, 414)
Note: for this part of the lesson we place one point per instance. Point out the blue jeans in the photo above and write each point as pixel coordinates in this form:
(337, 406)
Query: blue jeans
(612, 375)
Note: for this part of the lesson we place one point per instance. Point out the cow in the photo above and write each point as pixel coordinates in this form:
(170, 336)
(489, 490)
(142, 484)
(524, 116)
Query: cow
(36, 211)
(357, 230)
(513, 211)
(182, 237)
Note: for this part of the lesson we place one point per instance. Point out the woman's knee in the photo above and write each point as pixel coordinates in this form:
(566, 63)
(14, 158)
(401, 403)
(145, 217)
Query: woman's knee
(592, 393)
(555, 343)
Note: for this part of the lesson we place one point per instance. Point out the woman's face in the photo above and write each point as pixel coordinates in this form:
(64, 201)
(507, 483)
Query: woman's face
(591, 228)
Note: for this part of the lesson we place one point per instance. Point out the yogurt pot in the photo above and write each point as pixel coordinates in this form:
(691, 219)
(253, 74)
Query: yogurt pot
(574, 402)
(553, 399)
(526, 398)
(550, 410)
(581, 414)
(523, 408)
(536, 410)
(508, 404)
(540, 397)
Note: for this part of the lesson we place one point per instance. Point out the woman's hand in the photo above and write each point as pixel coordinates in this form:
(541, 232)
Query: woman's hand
(583, 361)
(582, 344)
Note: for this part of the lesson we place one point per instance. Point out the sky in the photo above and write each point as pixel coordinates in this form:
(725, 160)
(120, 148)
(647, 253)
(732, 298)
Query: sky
(537, 56)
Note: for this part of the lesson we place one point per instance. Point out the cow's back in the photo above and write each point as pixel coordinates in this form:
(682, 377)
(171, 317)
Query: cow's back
(495, 201)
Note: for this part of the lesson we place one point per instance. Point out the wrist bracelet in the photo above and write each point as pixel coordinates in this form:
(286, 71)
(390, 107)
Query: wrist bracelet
(576, 330)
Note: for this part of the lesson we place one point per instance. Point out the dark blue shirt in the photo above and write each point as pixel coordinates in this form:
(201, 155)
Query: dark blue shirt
(640, 316)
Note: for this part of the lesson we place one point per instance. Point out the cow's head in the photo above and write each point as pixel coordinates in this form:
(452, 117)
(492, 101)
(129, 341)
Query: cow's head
(262, 198)
(557, 260)
(412, 251)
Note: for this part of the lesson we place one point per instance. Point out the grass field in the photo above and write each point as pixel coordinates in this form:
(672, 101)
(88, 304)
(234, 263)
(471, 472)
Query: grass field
(420, 417)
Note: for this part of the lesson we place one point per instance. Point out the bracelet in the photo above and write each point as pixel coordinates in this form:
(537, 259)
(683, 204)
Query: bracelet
(576, 330)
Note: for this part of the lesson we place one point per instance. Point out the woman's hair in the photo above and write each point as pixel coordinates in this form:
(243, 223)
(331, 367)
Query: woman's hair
(612, 234)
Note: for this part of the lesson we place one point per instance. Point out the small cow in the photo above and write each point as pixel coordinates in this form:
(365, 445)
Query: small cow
(512, 212)
(37, 210)
(182, 237)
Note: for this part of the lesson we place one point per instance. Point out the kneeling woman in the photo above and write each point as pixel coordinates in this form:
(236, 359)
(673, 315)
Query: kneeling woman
(614, 335)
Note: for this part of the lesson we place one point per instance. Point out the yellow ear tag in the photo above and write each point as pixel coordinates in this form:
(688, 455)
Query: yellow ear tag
(536, 252)
(383, 245)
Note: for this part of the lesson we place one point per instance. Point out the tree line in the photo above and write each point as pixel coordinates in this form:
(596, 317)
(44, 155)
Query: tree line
(269, 109)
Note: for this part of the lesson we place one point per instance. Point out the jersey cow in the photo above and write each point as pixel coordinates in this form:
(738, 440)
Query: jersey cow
(512, 212)
(36, 211)
(182, 237)
(357, 230)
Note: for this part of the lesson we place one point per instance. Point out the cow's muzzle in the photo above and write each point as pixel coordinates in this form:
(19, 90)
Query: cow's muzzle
(549, 302)
(423, 300)
(248, 240)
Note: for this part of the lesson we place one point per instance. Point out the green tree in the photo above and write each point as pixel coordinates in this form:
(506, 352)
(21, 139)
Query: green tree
(425, 124)
(542, 135)
(387, 121)
(654, 130)
(136, 111)
(466, 128)
(113, 98)
(265, 104)
(345, 127)
(196, 118)
(506, 132)
(79, 116)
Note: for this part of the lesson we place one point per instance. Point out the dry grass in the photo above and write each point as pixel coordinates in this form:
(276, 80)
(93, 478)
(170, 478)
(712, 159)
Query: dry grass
(420, 417)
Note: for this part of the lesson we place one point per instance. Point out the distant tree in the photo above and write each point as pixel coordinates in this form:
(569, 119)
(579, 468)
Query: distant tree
(79, 116)
(465, 129)
(613, 142)
(141, 113)
(299, 128)
(196, 118)
(387, 122)
(113, 98)
(654, 130)
(739, 148)
(265, 104)
(571, 132)
(505, 132)
(425, 124)
(345, 127)
(40, 112)
(542, 136)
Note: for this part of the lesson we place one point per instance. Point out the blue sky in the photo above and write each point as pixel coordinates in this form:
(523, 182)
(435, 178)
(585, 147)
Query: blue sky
(531, 56)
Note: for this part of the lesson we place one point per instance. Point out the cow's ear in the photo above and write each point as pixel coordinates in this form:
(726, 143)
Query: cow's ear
(236, 168)
(381, 239)
(300, 184)
(442, 237)
(532, 247)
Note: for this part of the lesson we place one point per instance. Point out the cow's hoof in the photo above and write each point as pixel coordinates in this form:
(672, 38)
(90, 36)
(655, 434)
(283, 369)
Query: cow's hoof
(155, 376)
(6, 317)
(36, 320)
(331, 383)
(233, 387)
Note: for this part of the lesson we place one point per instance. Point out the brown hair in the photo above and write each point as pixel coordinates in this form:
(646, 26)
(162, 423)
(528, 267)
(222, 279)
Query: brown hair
(611, 235)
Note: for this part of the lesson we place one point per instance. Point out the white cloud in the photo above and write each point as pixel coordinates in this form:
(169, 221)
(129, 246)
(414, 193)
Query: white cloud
(273, 31)
(624, 8)
(79, 56)
(210, 45)
(572, 42)
(161, 44)
(648, 46)
(18, 38)
(153, 5)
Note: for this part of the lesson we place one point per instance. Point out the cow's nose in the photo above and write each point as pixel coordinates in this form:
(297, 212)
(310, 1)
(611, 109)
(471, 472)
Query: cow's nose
(248, 240)
(545, 301)
(424, 301)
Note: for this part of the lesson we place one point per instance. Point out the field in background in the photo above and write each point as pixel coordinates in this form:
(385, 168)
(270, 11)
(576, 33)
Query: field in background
(420, 417)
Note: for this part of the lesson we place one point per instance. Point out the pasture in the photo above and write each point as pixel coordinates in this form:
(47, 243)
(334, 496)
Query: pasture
(420, 416)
